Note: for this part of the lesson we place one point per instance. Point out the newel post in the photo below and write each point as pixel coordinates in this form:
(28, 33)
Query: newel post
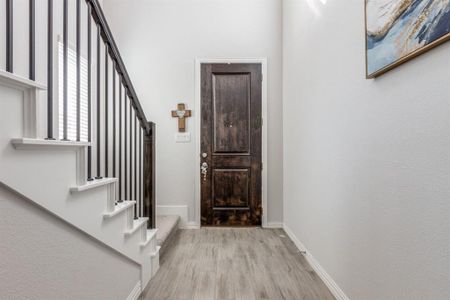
(149, 176)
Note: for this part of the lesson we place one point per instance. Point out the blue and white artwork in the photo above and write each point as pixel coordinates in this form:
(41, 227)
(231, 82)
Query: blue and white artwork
(400, 29)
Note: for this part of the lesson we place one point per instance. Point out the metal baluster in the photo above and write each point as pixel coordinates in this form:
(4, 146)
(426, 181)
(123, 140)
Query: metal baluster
(50, 70)
(141, 202)
(106, 112)
(32, 42)
(89, 90)
(114, 120)
(125, 168)
(9, 36)
(125, 181)
(98, 106)
(120, 143)
(135, 166)
(65, 67)
(78, 42)
(131, 153)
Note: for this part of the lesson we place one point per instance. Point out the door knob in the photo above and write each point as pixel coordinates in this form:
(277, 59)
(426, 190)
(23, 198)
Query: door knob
(204, 170)
(204, 155)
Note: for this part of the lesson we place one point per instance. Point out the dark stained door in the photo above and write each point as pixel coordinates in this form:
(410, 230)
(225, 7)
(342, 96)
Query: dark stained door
(231, 140)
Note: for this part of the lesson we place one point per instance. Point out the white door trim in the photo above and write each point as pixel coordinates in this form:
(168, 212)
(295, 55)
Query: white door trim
(197, 117)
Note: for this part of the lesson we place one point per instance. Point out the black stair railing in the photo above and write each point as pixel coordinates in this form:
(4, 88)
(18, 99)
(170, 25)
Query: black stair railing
(32, 40)
(49, 70)
(9, 35)
(124, 139)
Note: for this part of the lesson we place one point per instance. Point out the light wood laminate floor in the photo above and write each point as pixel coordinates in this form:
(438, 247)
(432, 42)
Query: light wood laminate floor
(241, 263)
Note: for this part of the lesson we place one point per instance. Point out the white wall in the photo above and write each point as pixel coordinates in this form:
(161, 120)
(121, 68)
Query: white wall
(366, 161)
(160, 39)
(69, 265)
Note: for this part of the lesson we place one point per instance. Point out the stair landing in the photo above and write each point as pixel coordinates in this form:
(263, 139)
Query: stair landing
(167, 227)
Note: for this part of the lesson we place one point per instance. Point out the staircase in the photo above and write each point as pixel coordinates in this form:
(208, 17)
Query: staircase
(103, 185)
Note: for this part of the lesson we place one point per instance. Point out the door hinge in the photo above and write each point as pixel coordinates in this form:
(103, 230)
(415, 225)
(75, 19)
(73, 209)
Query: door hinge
(262, 77)
(262, 166)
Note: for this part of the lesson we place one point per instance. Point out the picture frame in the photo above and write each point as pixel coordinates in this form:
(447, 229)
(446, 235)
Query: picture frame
(400, 30)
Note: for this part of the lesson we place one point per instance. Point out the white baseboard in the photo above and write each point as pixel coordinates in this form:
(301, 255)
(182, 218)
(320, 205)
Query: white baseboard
(274, 225)
(194, 225)
(179, 210)
(191, 225)
(326, 278)
(135, 292)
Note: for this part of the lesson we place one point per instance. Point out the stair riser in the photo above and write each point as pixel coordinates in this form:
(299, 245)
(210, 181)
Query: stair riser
(143, 233)
(31, 98)
(111, 201)
(82, 166)
(32, 114)
(130, 218)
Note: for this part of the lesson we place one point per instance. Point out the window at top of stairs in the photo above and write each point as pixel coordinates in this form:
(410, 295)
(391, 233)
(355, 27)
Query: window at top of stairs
(72, 93)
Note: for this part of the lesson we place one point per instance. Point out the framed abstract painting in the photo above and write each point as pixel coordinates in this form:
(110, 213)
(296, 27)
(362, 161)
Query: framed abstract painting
(399, 30)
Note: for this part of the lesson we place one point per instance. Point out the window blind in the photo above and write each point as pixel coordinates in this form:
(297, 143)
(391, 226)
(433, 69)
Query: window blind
(72, 94)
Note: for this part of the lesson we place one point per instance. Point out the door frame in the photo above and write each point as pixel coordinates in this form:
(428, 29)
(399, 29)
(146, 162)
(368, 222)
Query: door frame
(197, 122)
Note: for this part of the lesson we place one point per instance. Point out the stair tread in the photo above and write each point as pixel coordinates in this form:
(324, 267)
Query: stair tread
(23, 82)
(29, 143)
(166, 225)
(93, 184)
(120, 207)
(136, 225)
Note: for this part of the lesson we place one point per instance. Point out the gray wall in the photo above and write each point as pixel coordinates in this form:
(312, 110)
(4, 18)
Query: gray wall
(367, 162)
(42, 257)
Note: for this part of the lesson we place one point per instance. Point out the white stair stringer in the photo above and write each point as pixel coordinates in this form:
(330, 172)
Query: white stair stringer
(53, 174)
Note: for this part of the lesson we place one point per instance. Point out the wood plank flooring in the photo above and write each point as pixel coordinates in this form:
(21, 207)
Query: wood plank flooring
(229, 263)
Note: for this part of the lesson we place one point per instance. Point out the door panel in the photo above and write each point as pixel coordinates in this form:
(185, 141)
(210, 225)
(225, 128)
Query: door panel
(230, 188)
(231, 140)
(231, 100)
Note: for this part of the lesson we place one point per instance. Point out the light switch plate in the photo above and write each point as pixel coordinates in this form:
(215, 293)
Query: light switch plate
(183, 137)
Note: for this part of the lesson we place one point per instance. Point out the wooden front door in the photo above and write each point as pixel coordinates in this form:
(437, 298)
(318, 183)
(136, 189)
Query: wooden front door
(231, 139)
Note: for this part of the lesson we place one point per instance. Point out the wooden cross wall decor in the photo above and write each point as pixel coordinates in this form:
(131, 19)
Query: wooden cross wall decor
(181, 113)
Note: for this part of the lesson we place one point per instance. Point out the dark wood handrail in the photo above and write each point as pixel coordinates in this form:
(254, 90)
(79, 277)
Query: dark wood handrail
(107, 36)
